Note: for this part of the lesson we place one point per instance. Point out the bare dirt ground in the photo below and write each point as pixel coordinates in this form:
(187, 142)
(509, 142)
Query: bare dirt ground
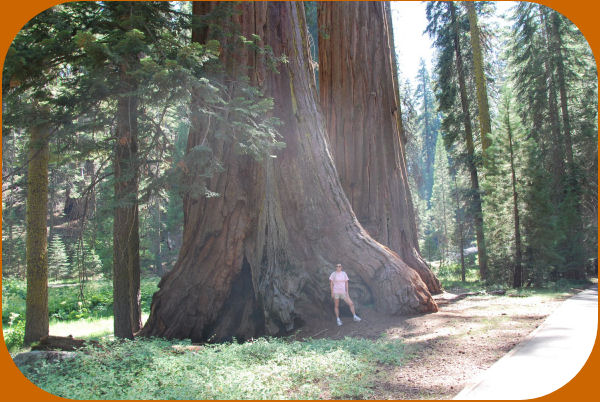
(448, 349)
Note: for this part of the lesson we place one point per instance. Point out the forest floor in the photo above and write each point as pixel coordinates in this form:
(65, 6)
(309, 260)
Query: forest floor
(446, 350)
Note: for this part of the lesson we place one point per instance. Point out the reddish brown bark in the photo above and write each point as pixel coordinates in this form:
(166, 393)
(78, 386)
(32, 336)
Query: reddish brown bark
(358, 95)
(256, 259)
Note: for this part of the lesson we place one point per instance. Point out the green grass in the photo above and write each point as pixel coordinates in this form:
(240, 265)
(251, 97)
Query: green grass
(153, 369)
(64, 302)
(86, 328)
(260, 369)
(89, 318)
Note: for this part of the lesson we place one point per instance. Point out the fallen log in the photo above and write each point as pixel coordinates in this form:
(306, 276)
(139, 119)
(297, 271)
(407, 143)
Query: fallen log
(66, 343)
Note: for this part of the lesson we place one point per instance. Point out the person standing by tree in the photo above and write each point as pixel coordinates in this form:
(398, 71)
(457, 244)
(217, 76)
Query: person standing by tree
(338, 282)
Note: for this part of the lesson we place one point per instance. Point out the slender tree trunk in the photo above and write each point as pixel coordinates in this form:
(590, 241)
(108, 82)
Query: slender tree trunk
(485, 125)
(359, 100)
(445, 225)
(459, 221)
(36, 307)
(477, 207)
(429, 154)
(157, 256)
(126, 242)
(256, 259)
(518, 272)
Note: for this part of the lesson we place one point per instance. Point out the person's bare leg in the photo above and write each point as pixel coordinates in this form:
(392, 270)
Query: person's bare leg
(350, 304)
(336, 303)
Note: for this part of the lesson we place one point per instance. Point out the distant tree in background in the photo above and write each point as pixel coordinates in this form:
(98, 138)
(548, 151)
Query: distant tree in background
(508, 156)
(58, 261)
(428, 129)
(442, 221)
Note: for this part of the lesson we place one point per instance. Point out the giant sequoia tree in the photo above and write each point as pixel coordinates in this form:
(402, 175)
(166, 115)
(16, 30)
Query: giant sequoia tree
(358, 99)
(256, 259)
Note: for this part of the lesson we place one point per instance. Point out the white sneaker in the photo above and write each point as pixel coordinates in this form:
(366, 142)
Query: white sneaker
(356, 318)
(339, 322)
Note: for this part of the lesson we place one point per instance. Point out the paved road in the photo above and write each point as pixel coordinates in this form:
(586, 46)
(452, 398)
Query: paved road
(548, 358)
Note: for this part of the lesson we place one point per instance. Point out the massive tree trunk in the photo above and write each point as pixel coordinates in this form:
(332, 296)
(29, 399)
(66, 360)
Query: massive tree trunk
(464, 101)
(126, 256)
(485, 124)
(362, 114)
(256, 259)
(36, 304)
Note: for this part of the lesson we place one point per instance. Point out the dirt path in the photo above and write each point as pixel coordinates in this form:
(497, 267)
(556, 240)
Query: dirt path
(447, 349)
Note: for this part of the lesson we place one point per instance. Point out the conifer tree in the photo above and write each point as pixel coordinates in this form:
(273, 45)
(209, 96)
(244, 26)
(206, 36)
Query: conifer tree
(428, 127)
(544, 68)
(441, 200)
(36, 314)
(58, 262)
(447, 27)
(31, 102)
(508, 160)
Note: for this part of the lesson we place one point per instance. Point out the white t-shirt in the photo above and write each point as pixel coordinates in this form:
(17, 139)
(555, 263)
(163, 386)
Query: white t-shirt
(339, 281)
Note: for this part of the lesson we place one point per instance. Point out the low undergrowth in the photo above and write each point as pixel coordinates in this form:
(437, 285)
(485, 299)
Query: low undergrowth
(267, 368)
(90, 317)
(450, 278)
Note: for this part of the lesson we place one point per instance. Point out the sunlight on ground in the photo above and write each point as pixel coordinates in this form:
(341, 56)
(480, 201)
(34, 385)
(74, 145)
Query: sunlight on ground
(90, 328)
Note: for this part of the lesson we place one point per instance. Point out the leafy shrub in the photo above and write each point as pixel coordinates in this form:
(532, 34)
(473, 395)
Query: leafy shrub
(64, 303)
(14, 292)
(260, 369)
(14, 334)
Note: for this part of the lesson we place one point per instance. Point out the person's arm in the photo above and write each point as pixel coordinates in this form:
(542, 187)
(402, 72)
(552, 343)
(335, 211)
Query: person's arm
(347, 294)
(331, 287)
